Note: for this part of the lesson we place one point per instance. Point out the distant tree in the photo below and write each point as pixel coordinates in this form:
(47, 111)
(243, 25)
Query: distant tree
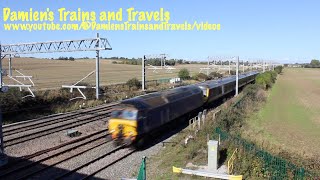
(180, 61)
(315, 62)
(184, 73)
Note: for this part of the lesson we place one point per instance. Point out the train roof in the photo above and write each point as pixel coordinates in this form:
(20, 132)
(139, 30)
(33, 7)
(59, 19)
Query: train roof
(226, 80)
(160, 98)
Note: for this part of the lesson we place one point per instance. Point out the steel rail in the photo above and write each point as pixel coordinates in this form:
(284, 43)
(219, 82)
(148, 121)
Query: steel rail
(45, 132)
(31, 164)
(47, 122)
(108, 165)
(90, 162)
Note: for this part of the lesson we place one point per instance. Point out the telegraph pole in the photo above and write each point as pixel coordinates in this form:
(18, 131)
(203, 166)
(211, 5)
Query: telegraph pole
(144, 73)
(97, 68)
(10, 70)
(237, 76)
(208, 67)
(0, 68)
(229, 67)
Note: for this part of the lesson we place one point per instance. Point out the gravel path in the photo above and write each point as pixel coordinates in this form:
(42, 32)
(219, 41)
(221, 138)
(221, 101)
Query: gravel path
(128, 167)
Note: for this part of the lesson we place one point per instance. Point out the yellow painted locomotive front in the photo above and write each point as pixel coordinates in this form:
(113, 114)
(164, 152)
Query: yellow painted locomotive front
(122, 129)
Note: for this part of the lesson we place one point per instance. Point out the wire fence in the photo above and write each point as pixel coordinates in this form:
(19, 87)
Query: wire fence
(273, 167)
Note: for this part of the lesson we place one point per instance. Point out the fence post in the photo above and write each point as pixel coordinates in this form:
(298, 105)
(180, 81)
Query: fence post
(204, 114)
(194, 122)
(142, 172)
(199, 119)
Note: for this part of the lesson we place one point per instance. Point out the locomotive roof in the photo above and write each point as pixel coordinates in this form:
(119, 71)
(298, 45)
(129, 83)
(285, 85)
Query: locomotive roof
(161, 98)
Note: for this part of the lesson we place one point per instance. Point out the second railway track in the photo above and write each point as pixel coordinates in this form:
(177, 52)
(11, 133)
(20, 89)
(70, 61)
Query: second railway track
(51, 126)
(44, 121)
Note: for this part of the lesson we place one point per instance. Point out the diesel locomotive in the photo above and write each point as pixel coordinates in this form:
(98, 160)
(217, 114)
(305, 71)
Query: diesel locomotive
(135, 118)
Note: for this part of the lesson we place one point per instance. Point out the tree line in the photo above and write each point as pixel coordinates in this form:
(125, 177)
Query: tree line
(152, 61)
(313, 64)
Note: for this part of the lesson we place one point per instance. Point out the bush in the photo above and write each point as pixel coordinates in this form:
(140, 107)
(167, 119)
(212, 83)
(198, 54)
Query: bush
(214, 75)
(233, 72)
(114, 62)
(266, 79)
(134, 82)
(278, 69)
(201, 77)
(184, 74)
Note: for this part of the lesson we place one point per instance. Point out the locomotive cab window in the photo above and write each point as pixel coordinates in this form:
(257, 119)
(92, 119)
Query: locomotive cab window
(125, 114)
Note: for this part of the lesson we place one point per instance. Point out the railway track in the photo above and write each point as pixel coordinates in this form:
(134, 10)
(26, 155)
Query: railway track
(31, 165)
(92, 174)
(48, 120)
(49, 127)
(102, 156)
(38, 164)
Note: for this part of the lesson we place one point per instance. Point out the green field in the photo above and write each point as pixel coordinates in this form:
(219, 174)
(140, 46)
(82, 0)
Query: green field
(290, 120)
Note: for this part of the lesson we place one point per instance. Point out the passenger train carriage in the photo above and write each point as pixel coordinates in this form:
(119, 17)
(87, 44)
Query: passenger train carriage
(214, 89)
(135, 118)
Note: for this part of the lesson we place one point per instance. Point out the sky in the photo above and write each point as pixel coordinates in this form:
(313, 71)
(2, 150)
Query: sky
(285, 31)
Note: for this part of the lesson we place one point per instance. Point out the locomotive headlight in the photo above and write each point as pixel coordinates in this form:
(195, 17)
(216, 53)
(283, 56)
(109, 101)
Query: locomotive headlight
(112, 130)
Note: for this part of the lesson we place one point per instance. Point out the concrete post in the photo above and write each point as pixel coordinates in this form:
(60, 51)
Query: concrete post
(199, 119)
(213, 155)
(97, 69)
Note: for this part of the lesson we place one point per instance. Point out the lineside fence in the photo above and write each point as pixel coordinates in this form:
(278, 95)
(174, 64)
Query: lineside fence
(274, 167)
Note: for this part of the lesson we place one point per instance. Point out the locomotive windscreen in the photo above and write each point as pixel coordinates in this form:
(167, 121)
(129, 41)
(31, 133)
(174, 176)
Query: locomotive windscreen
(124, 114)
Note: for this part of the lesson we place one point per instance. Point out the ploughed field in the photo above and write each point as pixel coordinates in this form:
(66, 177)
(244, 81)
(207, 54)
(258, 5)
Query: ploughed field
(291, 117)
(49, 74)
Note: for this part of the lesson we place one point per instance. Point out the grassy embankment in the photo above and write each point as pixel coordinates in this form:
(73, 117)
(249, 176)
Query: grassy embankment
(289, 123)
(236, 120)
